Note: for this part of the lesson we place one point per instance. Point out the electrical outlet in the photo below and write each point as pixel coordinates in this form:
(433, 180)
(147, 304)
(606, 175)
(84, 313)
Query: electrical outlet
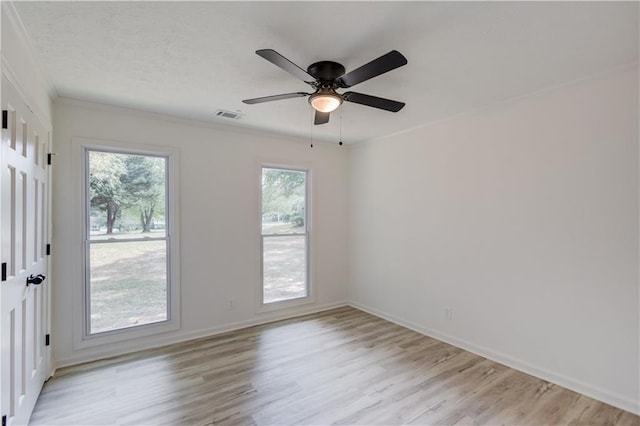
(448, 313)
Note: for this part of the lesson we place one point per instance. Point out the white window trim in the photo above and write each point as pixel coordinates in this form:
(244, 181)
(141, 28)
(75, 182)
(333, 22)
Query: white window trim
(82, 339)
(262, 307)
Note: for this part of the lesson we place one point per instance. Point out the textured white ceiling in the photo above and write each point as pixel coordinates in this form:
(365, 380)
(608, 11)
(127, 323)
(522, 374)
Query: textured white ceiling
(189, 59)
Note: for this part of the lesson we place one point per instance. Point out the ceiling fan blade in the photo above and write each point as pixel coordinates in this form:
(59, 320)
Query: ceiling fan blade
(384, 63)
(275, 98)
(321, 118)
(282, 62)
(373, 101)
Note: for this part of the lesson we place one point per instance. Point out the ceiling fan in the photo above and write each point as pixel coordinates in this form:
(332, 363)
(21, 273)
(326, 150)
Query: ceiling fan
(327, 76)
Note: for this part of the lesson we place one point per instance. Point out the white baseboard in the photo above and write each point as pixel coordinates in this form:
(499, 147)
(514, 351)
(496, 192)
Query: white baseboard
(595, 392)
(123, 348)
(611, 398)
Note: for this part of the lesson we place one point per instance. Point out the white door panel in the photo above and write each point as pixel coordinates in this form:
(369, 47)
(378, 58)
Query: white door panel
(24, 180)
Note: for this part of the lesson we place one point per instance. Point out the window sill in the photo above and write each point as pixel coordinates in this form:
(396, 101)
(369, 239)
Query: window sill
(285, 304)
(126, 334)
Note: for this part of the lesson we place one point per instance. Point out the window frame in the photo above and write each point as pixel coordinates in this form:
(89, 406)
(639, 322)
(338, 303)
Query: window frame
(83, 338)
(263, 307)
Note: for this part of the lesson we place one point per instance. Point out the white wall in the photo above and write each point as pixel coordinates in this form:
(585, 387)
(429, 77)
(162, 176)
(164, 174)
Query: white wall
(20, 65)
(219, 207)
(522, 218)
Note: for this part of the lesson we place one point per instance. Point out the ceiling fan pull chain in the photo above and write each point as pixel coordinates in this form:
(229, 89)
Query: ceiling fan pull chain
(340, 142)
(327, 76)
(311, 128)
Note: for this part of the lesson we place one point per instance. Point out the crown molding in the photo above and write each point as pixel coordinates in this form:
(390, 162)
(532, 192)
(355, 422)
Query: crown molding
(13, 19)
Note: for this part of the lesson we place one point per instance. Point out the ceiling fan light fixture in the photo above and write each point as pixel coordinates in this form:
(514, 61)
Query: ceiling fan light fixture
(325, 77)
(325, 101)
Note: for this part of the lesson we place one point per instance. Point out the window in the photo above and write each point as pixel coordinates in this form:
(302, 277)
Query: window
(285, 235)
(128, 241)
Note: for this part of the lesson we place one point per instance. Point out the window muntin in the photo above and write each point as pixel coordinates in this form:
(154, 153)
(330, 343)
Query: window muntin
(285, 235)
(127, 247)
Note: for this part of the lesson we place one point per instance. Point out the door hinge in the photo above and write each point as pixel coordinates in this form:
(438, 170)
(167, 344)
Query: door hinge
(47, 339)
(49, 155)
(5, 119)
(4, 271)
(48, 249)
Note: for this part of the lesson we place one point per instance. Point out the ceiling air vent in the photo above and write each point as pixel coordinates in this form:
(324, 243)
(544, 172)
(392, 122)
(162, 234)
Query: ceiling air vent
(228, 114)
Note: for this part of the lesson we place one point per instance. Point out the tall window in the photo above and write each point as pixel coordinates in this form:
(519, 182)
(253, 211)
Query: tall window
(127, 246)
(285, 235)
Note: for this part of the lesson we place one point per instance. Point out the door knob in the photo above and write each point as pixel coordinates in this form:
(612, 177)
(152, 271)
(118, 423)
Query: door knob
(35, 279)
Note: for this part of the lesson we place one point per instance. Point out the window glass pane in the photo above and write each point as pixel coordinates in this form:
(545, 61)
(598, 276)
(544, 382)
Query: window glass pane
(284, 268)
(126, 196)
(127, 284)
(283, 201)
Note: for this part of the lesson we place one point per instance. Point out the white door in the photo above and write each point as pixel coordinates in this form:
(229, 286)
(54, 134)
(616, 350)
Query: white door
(24, 220)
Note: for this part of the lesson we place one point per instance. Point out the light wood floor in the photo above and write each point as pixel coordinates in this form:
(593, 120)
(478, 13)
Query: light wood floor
(342, 366)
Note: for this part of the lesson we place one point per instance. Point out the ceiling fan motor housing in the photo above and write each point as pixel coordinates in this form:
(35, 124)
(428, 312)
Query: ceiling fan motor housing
(327, 76)
(326, 71)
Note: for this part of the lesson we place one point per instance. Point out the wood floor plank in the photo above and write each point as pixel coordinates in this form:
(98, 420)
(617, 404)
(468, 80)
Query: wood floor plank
(337, 367)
